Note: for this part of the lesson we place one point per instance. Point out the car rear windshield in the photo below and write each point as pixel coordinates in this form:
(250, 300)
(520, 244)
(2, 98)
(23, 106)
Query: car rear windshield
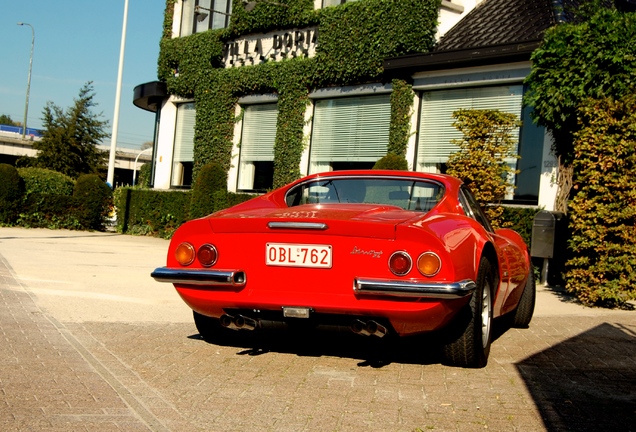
(408, 194)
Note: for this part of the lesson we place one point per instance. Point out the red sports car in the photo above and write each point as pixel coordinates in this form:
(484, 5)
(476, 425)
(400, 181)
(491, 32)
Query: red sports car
(376, 252)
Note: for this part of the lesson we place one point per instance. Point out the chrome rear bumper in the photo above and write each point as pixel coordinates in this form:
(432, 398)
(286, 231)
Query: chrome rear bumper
(395, 288)
(234, 278)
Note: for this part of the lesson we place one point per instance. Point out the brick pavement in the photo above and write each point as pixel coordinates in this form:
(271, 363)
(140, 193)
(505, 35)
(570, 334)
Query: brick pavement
(571, 372)
(45, 382)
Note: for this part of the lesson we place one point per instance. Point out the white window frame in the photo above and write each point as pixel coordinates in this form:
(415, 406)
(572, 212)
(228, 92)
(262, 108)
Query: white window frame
(183, 143)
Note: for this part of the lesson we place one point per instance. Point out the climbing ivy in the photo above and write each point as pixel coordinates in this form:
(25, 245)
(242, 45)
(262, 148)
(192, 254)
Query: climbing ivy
(401, 106)
(354, 39)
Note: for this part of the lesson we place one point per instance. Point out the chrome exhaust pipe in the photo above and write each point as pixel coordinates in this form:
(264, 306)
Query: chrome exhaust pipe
(245, 323)
(227, 321)
(357, 327)
(370, 328)
(238, 323)
(376, 329)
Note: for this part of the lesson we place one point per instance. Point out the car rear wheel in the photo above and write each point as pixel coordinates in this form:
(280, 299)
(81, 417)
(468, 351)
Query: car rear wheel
(471, 333)
(525, 309)
(209, 328)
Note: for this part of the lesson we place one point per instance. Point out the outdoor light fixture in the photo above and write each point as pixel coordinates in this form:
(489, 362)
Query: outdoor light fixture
(26, 105)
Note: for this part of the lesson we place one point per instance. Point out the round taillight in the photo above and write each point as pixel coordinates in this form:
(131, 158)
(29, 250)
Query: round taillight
(400, 263)
(184, 254)
(207, 255)
(429, 264)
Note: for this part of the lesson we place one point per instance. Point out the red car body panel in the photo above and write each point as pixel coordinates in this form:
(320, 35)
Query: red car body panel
(361, 238)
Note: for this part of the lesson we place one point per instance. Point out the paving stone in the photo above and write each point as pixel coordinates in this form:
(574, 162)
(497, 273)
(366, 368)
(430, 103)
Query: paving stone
(572, 371)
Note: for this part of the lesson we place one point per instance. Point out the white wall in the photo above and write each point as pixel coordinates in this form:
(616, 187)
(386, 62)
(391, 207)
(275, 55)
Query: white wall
(548, 185)
(165, 144)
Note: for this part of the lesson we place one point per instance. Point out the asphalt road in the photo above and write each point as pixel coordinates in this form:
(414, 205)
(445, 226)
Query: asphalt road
(88, 341)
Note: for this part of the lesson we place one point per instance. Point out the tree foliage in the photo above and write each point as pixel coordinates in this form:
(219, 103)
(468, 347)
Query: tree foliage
(6, 120)
(70, 138)
(603, 209)
(592, 56)
(485, 151)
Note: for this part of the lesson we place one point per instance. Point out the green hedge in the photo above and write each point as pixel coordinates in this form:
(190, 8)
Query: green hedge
(150, 211)
(211, 179)
(602, 213)
(45, 181)
(160, 212)
(11, 191)
(51, 211)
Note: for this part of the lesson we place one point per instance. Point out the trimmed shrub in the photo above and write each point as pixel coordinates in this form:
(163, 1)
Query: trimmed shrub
(392, 162)
(95, 199)
(44, 181)
(212, 178)
(51, 211)
(145, 172)
(11, 188)
(151, 212)
(486, 145)
(602, 213)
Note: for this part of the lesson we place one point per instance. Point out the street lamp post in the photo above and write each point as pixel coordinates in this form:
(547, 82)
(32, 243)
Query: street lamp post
(113, 140)
(26, 105)
(136, 160)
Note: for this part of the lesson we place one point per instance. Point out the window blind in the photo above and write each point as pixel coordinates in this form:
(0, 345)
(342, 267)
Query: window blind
(184, 133)
(259, 132)
(436, 124)
(353, 129)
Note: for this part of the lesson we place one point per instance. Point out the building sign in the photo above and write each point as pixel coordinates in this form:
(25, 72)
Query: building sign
(257, 49)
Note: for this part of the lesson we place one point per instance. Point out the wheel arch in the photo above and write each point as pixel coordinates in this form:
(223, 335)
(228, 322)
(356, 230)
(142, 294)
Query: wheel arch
(488, 252)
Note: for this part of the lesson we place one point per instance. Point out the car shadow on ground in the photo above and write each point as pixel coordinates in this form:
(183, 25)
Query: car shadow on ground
(586, 383)
(369, 350)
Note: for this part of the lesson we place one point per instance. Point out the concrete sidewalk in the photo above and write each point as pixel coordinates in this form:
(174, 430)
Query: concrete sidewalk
(90, 342)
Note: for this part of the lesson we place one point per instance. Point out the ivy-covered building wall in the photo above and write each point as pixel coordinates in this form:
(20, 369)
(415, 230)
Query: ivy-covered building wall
(338, 49)
(273, 90)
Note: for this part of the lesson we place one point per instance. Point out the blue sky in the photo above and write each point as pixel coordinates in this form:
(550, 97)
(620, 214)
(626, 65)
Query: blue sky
(75, 42)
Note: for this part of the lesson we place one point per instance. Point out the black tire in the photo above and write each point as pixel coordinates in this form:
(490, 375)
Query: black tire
(210, 329)
(525, 309)
(471, 333)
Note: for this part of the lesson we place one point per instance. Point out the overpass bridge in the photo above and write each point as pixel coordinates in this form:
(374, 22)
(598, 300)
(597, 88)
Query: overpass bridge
(12, 147)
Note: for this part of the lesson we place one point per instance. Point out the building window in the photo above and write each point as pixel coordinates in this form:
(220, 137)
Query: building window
(530, 163)
(437, 131)
(182, 156)
(202, 15)
(349, 133)
(256, 166)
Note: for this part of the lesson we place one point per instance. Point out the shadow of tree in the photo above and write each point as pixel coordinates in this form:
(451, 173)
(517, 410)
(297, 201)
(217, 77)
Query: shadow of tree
(586, 383)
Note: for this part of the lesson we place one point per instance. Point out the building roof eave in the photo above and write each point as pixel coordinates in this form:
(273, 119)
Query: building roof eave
(460, 58)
